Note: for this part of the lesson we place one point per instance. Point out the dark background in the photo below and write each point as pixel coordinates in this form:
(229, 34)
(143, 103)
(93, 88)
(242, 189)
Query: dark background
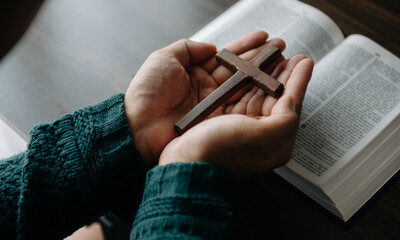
(79, 52)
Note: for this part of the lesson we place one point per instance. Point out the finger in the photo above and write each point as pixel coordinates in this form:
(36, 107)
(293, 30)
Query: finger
(261, 104)
(277, 42)
(288, 68)
(296, 85)
(275, 133)
(247, 42)
(269, 101)
(221, 73)
(256, 103)
(283, 71)
(267, 136)
(189, 52)
(279, 68)
(228, 108)
(239, 46)
(241, 106)
(272, 130)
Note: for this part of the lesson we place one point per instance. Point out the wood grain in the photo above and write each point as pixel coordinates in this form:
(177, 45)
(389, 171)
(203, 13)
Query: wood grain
(245, 72)
(78, 53)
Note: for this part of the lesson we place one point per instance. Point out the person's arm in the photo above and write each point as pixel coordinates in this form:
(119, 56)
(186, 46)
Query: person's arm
(74, 170)
(184, 201)
(184, 195)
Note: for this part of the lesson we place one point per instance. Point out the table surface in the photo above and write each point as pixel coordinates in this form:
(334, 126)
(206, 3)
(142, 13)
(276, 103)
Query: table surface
(77, 53)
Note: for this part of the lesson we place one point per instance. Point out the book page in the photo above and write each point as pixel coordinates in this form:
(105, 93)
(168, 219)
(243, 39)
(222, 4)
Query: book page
(11, 142)
(305, 29)
(353, 95)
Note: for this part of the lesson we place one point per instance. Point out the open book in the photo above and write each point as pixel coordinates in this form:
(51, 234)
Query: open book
(11, 140)
(348, 144)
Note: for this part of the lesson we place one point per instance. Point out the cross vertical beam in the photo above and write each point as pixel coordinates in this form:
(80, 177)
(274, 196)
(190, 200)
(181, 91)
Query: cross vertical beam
(245, 72)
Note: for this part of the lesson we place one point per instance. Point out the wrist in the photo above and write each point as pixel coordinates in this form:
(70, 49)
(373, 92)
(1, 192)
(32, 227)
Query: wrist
(185, 192)
(177, 151)
(141, 143)
(138, 136)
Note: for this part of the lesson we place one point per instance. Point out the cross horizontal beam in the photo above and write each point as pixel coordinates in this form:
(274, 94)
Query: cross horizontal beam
(245, 72)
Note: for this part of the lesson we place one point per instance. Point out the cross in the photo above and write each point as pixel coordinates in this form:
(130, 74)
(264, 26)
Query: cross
(245, 72)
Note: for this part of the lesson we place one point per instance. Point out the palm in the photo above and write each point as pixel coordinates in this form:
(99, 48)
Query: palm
(179, 92)
(161, 101)
(243, 144)
(166, 88)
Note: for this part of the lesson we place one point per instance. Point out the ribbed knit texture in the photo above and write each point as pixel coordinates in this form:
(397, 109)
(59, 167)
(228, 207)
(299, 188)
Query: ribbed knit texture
(74, 170)
(184, 201)
(85, 164)
(10, 181)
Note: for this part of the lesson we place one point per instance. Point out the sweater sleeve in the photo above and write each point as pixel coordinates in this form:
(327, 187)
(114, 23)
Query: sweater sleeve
(74, 170)
(184, 201)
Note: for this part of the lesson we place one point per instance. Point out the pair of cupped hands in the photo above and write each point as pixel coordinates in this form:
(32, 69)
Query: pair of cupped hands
(251, 133)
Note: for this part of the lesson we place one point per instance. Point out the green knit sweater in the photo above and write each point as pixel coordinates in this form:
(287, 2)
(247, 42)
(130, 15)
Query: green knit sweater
(85, 164)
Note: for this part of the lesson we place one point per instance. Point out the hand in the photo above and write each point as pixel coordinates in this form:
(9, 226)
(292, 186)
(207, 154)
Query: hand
(172, 81)
(255, 134)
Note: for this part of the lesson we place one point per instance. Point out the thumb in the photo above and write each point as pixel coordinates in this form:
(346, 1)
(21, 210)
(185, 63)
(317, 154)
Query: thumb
(283, 122)
(284, 105)
(188, 52)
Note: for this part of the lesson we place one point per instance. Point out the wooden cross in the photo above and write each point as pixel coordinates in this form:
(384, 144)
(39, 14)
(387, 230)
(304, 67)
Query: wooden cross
(245, 72)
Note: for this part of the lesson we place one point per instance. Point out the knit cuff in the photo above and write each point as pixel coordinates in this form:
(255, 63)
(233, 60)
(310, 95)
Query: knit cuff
(184, 199)
(77, 168)
(194, 180)
(113, 143)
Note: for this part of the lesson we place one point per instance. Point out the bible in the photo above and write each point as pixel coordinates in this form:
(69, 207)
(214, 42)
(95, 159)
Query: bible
(347, 146)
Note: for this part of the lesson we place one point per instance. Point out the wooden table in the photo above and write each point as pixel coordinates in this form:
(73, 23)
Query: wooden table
(78, 53)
